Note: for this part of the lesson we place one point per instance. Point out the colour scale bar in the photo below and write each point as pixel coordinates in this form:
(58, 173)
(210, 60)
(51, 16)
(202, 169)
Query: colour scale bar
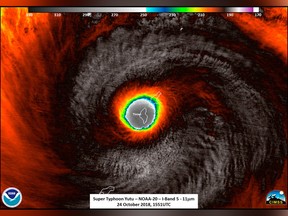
(143, 9)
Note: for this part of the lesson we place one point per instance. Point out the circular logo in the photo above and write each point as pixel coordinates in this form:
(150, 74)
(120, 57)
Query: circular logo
(11, 197)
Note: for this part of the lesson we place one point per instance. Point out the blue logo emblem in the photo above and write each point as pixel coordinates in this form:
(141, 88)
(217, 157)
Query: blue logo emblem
(11, 197)
(276, 197)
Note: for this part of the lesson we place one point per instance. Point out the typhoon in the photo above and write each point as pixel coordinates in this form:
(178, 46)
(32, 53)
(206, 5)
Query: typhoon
(185, 104)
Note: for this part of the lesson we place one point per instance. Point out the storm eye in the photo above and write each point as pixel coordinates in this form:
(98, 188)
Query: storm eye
(140, 113)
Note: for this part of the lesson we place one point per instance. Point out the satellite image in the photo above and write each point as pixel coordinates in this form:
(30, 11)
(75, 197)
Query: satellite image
(179, 103)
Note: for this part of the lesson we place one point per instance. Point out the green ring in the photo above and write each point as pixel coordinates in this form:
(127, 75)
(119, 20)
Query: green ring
(153, 100)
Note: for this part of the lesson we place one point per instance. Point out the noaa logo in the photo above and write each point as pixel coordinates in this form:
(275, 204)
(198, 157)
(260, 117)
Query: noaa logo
(276, 197)
(11, 197)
